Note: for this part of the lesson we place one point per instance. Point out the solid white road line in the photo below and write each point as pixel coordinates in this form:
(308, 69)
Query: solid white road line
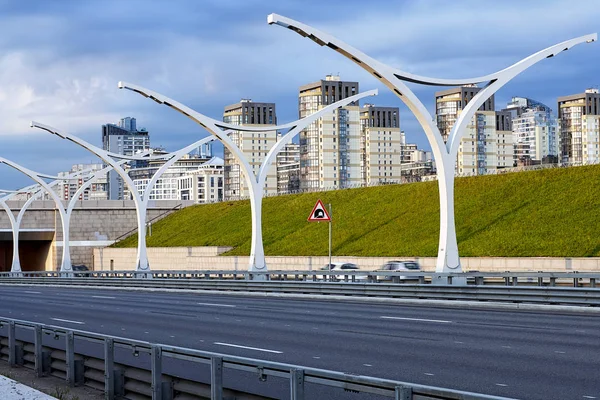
(30, 292)
(68, 320)
(217, 305)
(419, 319)
(104, 297)
(248, 348)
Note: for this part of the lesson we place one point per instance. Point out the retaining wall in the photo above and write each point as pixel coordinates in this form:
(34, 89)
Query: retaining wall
(207, 258)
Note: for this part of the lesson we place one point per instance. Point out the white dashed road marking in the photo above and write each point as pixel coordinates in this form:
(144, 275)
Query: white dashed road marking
(68, 320)
(419, 319)
(429, 374)
(103, 297)
(248, 348)
(30, 292)
(217, 305)
(501, 384)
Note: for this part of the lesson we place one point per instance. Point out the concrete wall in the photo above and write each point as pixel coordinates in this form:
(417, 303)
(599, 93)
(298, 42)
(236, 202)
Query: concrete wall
(201, 258)
(93, 224)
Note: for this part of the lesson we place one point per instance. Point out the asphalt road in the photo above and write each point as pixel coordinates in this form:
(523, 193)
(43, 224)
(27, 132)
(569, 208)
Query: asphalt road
(527, 355)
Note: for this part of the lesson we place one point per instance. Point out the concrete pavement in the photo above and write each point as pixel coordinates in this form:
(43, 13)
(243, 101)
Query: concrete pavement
(12, 390)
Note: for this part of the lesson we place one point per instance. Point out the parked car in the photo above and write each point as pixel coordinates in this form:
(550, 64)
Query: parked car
(80, 267)
(342, 266)
(391, 266)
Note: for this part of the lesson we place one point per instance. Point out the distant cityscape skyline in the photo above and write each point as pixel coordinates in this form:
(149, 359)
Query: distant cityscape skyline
(65, 72)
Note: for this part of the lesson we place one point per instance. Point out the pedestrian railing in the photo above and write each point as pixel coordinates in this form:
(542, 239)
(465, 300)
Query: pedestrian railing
(128, 368)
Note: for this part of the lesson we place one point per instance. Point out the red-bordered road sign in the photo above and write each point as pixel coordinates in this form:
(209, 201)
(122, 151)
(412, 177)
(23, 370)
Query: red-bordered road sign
(319, 213)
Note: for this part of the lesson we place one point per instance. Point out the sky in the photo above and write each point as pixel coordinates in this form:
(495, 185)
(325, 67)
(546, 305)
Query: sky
(60, 61)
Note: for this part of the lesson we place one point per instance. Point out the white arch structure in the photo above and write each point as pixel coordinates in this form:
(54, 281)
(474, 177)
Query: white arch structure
(15, 223)
(37, 191)
(255, 183)
(65, 265)
(140, 201)
(444, 153)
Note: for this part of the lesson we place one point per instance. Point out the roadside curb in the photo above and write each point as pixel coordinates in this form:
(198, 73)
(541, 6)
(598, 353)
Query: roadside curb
(353, 299)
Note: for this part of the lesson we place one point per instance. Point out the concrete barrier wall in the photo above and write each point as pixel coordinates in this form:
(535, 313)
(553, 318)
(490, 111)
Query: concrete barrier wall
(207, 258)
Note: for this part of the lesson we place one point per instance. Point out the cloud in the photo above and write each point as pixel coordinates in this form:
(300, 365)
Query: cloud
(60, 61)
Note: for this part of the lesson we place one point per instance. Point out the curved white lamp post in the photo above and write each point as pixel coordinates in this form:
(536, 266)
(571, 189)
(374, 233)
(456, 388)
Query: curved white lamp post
(66, 222)
(140, 201)
(444, 153)
(255, 183)
(15, 223)
(65, 265)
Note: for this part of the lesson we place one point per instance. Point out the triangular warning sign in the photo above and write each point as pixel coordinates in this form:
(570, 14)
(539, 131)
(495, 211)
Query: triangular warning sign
(319, 213)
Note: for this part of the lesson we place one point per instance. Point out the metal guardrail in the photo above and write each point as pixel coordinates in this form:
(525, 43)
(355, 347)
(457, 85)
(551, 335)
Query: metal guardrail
(575, 279)
(588, 297)
(66, 357)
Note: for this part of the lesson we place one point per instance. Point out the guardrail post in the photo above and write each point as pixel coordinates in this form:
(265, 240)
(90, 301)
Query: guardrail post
(297, 384)
(39, 366)
(403, 393)
(593, 282)
(552, 281)
(541, 281)
(156, 365)
(70, 357)
(515, 280)
(109, 369)
(216, 378)
(12, 345)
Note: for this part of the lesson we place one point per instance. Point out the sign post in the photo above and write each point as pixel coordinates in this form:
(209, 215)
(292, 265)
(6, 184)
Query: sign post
(319, 214)
(329, 235)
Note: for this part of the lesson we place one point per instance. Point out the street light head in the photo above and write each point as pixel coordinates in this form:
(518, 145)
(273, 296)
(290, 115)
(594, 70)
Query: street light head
(48, 129)
(272, 18)
(121, 85)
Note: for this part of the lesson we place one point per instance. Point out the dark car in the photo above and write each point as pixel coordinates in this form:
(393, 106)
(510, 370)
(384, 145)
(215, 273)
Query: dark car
(80, 267)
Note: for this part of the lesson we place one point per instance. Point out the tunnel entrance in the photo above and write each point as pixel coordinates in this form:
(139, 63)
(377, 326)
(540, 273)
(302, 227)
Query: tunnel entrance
(34, 249)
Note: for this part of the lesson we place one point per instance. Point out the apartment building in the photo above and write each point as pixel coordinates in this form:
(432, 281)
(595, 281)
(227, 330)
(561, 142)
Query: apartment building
(579, 116)
(205, 184)
(253, 145)
(330, 154)
(96, 191)
(124, 139)
(381, 145)
(487, 144)
(535, 131)
(288, 169)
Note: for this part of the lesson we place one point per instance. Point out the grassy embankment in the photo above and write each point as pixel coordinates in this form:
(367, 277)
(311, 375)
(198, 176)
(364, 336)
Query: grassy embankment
(539, 213)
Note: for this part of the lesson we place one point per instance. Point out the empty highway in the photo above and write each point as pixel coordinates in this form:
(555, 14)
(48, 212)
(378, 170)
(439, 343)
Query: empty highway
(528, 355)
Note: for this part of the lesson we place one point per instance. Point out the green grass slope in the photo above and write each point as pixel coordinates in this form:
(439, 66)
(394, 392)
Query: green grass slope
(539, 213)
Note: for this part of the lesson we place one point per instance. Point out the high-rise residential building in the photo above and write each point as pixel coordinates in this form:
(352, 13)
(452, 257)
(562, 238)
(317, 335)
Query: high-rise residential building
(488, 143)
(96, 191)
(330, 154)
(205, 184)
(380, 145)
(535, 132)
(579, 116)
(254, 146)
(449, 103)
(288, 169)
(122, 139)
